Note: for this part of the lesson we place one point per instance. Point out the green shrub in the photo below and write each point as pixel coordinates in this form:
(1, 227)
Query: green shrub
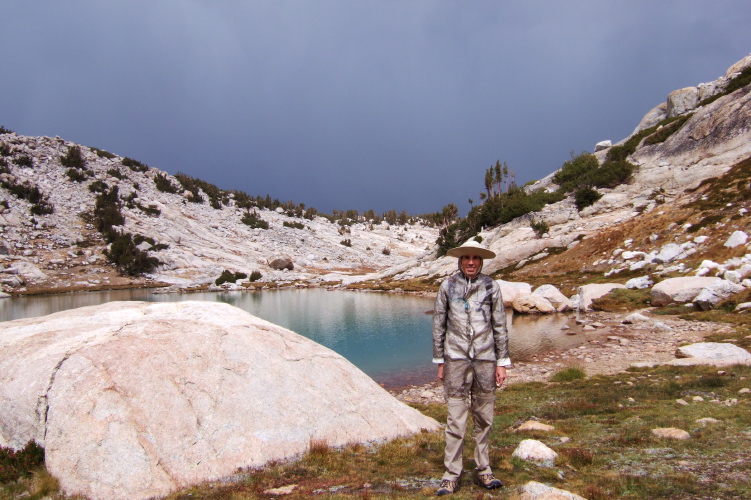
(585, 197)
(98, 187)
(73, 159)
(102, 153)
(667, 130)
(4, 166)
(163, 184)
(107, 212)
(706, 221)
(740, 81)
(126, 257)
(40, 205)
(255, 276)
(346, 242)
(569, 374)
(134, 165)
(24, 161)
(230, 277)
(116, 173)
(570, 176)
(76, 175)
(17, 464)
(611, 174)
(539, 227)
(4, 149)
(252, 219)
(4, 130)
(386, 251)
(295, 225)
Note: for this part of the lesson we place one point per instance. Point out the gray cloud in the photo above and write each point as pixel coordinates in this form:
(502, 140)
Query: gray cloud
(339, 104)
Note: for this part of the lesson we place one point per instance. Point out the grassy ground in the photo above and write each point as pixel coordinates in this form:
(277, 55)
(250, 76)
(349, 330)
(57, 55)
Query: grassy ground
(611, 452)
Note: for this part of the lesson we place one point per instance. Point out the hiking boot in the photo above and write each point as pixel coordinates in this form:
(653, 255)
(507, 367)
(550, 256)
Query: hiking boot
(448, 487)
(489, 482)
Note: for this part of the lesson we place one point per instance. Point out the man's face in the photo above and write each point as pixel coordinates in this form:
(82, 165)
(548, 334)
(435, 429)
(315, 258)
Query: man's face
(471, 265)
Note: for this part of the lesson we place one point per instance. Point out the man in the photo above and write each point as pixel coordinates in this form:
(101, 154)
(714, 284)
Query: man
(470, 346)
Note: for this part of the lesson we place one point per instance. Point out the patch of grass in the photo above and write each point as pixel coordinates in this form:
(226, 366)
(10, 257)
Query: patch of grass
(623, 299)
(569, 374)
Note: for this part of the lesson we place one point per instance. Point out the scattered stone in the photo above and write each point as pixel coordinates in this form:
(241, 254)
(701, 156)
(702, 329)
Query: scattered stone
(533, 425)
(697, 399)
(535, 451)
(707, 421)
(714, 293)
(639, 283)
(670, 433)
(745, 390)
(529, 304)
(538, 491)
(683, 289)
(736, 239)
(681, 402)
(284, 490)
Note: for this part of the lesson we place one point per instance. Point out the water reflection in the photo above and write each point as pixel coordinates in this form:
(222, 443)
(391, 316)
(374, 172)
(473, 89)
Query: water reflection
(387, 336)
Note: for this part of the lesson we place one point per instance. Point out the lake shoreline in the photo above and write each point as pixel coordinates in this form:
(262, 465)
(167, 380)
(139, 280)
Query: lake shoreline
(612, 347)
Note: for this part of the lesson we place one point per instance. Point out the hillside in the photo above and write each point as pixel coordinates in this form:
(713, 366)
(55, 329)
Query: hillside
(49, 189)
(680, 179)
(690, 156)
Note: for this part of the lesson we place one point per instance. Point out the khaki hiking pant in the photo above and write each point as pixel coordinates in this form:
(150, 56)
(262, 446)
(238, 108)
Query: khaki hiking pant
(481, 404)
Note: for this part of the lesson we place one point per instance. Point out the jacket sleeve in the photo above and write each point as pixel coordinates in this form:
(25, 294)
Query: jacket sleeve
(440, 320)
(500, 331)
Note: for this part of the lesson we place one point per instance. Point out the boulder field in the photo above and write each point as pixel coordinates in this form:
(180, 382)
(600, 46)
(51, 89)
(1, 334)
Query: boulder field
(136, 399)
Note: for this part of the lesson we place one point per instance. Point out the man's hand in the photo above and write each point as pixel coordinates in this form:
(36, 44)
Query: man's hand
(440, 371)
(500, 375)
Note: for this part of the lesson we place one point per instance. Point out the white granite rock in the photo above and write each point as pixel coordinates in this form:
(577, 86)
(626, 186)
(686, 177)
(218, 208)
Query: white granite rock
(535, 451)
(555, 297)
(736, 239)
(134, 399)
(639, 283)
(511, 290)
(683, 289)
(715, 292)
(538, 491)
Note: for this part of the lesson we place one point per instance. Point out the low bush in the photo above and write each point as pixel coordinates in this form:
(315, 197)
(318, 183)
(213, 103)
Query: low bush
(24, 161)
(73, 159)
(667, 130)
(40, 205)
(569, 374)
(16, 464)
(163, 184)
(255, 276)
(116, 173)
(134, 165)
(126, 257)
(4, 130)
(294, 225)
(585, 197)
(76, 175)
(230, 277)
(4, 149)
(102, 153)
(539, 227)
(252, 219)
(346, 242)
(98, 187)
(386, 251)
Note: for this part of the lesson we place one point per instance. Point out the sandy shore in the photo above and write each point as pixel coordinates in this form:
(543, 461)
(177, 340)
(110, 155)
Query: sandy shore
(611, 347)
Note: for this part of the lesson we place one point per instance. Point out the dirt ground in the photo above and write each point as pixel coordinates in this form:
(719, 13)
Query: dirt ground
(611, 347)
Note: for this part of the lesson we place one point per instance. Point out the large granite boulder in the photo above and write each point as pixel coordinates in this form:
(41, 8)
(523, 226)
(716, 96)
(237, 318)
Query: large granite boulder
(683, 289)
(716, 292)
(134, 399)
(711, 353)
(532, 304)
(555, 297)
(510, 290)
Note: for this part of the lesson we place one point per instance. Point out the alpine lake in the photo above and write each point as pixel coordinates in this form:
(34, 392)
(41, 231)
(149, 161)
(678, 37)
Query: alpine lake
(387, 336)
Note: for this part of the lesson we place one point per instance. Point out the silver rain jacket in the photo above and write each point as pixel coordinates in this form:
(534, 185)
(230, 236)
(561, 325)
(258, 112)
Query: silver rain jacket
(469, 332)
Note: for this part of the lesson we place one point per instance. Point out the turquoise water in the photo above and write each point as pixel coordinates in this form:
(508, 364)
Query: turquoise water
(387, 336)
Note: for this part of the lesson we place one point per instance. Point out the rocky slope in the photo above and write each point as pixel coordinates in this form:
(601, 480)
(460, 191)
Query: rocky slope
(639, 216)
(62, 250)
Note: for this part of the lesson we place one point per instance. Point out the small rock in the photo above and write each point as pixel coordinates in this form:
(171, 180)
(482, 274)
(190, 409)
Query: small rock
(670, 433)
(533, 425)
(535, 451)
(284, 490)
(698, 399)
(681, 402)
(706, 421)
(745, 390)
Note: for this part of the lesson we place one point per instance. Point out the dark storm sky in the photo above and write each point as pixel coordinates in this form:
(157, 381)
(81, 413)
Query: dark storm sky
(355, 104)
